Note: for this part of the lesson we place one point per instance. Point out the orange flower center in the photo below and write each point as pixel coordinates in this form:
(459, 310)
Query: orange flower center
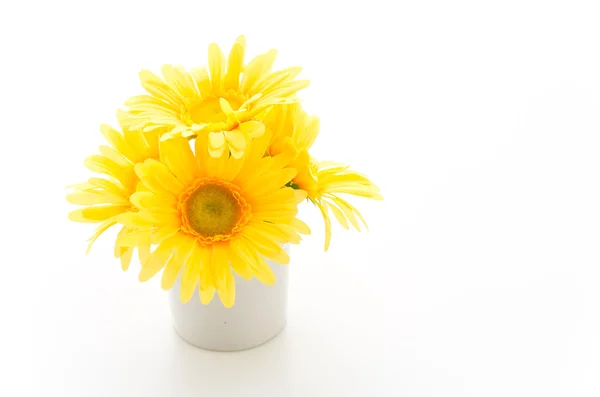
(213, 210)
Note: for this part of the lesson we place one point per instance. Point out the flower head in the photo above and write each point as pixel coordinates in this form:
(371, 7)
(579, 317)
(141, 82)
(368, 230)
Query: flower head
(213, 216)
(106, 198)
(291, 126)
(220, 103)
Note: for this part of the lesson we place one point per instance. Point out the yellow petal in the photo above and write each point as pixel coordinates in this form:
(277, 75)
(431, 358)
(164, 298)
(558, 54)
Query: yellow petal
(134, 220)
(279, 196)
(93, 197)
(158, 88)
(216, 63)
(132, 238)
(96, 214)
(256, 68)
(293, 236)
(201, 153)
(117, 247)
(253, 129)
(239, 265)
(227, 291)
(236, 154)
(160, 217)
(306, 139)
(179, 81)
(211, 162)
(144, 144)
(270, 82)
(103, 165)
(281, 257)
(235, 64)
(233, 167)
(99, 230)
(268, 61)
(202, 80)
(349, 212)
(206, 295)
(270, 181)
(182, 253)
(251, 101)
(190, 277)
(276, 232)
(216, 139)
(220, 265)
(300, 226)
(235, 140)
(274, 216)
(257, 150)
(286, 157)
(227, 109)
(149, 200)
(265, 243)
(159, 258)
(149, 103)
(260, 269)
(180, 159)
(108, 186)
(125, 258)
(327, 221)
(114, 156)
(205, 254)
(157, 177)
(283, 91)
(300, 195)
(117, 141)
(338, 215)
(216, 144)
(143, 253)
(145, 237)
(217, 152)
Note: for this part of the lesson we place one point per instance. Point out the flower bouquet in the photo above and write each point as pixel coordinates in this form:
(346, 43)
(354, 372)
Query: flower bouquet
(206, 174)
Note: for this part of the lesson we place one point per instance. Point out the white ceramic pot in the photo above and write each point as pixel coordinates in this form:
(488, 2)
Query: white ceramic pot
(258, 315)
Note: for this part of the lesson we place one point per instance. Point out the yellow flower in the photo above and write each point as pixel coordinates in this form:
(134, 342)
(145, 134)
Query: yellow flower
(291, 126)
(331, 180)
(212, 216)
(106, 198)
(222, 102)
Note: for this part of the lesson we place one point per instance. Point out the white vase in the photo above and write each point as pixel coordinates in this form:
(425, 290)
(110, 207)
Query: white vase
(258, 315)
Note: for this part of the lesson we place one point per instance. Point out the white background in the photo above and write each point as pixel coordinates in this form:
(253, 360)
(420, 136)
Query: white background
(480, 121)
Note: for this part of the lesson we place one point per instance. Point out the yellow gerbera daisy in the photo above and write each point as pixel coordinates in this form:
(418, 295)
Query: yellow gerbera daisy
(222, 102)
(210, 216)
(322, 181)
(106, 198)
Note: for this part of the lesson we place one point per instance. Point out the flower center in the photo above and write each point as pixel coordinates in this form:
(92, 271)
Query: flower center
(213, 210)
(209, 110)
